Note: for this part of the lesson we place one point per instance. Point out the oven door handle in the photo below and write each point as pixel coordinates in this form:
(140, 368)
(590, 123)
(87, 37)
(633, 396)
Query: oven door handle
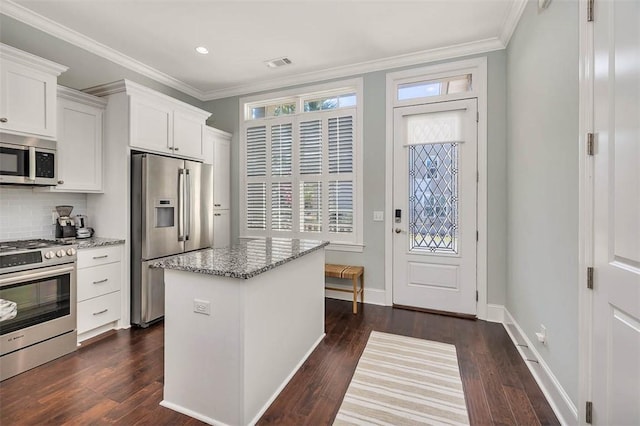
(22, 277)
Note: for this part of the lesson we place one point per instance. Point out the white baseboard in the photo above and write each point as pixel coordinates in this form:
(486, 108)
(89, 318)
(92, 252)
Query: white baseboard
(371, 295)
(495, 313)
(191, 413)
(559, 400)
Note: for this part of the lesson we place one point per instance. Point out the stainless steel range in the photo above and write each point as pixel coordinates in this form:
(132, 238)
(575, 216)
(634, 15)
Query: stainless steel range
(37, 303)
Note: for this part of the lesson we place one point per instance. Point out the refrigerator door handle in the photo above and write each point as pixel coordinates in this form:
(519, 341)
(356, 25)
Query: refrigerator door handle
(187, 204)
(181, 179)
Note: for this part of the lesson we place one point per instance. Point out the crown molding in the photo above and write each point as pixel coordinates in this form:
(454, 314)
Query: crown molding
(78, 96)
(33, 61)
(511, 20)
(29, 17)
(422, 57)
(134, 89)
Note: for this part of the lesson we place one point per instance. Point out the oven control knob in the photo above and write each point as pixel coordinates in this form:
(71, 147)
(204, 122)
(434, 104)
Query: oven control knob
(49, 255)
(71, 251)
(61, 253)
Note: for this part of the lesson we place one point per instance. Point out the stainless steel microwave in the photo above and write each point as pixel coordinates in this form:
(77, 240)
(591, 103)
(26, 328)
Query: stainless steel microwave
(26, 160)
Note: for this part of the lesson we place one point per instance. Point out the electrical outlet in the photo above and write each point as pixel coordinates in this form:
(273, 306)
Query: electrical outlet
(202, 307)
(378, 216)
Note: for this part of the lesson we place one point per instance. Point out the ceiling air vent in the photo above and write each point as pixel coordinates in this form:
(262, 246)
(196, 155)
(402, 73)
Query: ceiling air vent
(278, 62)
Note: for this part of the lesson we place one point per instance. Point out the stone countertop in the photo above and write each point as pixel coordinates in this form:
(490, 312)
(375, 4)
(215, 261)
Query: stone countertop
(246, 259)
(85, 243)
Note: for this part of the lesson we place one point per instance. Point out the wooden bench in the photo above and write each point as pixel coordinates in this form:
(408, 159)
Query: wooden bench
(351, 273)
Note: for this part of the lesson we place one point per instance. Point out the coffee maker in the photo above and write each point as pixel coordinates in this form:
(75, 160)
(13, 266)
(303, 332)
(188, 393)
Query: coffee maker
(82, 227)
(65, 225)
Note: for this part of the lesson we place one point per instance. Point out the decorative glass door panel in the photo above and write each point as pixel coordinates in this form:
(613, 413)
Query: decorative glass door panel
(433, 197)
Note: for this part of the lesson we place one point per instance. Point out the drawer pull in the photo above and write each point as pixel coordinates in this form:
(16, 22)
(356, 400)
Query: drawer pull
(101, 281)
(217, 214)
(100, 312)
(104, 256)
(216, 205)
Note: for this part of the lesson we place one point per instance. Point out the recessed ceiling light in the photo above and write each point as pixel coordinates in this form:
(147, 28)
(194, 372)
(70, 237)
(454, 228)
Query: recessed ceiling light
(202, 50)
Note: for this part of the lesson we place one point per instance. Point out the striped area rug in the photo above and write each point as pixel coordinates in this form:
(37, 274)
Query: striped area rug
(404, 381)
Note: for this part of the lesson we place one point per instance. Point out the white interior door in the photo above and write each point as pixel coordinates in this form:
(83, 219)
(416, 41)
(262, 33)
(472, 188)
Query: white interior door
(435, 194)
(615, 366)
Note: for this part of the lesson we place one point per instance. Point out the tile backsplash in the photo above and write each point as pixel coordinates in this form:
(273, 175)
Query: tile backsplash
(26, 212)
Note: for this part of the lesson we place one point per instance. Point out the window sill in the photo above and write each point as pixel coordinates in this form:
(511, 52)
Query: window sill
(354, 248)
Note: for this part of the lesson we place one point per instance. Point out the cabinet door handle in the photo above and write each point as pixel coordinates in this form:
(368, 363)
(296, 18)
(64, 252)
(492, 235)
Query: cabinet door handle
(4, 120)
(100, 312)
(101, 281)
(217, 205)
(104, 256)
(176, 149)
(216, 214)
(60, 182)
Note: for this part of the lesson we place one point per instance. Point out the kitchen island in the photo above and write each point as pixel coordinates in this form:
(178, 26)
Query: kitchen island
(239, 322)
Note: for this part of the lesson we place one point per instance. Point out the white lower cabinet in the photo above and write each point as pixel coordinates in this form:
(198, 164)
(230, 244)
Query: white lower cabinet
(221, 229)
(99, 282)
(98, 311)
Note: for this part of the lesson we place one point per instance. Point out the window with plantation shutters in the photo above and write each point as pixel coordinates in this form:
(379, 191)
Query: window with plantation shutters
(256, 151)
(341, 144)
(300, 178)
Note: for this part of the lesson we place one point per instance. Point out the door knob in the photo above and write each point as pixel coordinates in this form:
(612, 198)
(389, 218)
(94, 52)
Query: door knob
(398, 230)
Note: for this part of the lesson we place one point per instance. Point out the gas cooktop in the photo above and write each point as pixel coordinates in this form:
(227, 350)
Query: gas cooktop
(23, 255)
(20, 245)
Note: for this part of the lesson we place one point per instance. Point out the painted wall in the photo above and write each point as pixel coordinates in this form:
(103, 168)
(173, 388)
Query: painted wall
(225, 117)
(542, 176)
(26, 213)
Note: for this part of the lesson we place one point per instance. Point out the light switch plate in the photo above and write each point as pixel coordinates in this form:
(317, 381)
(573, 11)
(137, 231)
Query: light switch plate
(378, 216)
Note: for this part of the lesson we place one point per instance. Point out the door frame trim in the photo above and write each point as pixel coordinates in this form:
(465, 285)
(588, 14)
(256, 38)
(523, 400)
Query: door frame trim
(477, 67)
(585, 202)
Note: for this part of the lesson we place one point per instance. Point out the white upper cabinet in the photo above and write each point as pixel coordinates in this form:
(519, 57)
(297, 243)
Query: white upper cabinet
(80, 124)
(187, 134)
(151, 125)
(27, 93)
(217, 146)
(159, 123)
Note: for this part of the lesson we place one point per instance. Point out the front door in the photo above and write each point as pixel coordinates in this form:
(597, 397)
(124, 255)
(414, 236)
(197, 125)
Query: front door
(615, 369)
(435, 194)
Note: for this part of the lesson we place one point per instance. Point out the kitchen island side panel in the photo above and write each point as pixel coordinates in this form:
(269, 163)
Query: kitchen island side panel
(283, 322)
(202, 364)
(227, 367)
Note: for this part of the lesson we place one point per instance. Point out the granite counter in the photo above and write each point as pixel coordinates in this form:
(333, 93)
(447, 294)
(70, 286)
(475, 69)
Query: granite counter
(246, 259)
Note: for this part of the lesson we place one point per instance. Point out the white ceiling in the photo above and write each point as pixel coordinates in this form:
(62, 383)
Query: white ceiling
(323, 38)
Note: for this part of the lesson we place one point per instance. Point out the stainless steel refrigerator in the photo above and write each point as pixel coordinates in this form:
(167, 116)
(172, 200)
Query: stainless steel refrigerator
(171, 202)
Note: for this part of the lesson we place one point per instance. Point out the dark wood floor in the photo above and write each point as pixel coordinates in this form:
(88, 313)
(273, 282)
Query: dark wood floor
(118, 378)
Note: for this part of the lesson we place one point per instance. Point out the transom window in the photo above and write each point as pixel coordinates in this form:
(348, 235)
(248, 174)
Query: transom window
(425, 89)
(300, 161)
